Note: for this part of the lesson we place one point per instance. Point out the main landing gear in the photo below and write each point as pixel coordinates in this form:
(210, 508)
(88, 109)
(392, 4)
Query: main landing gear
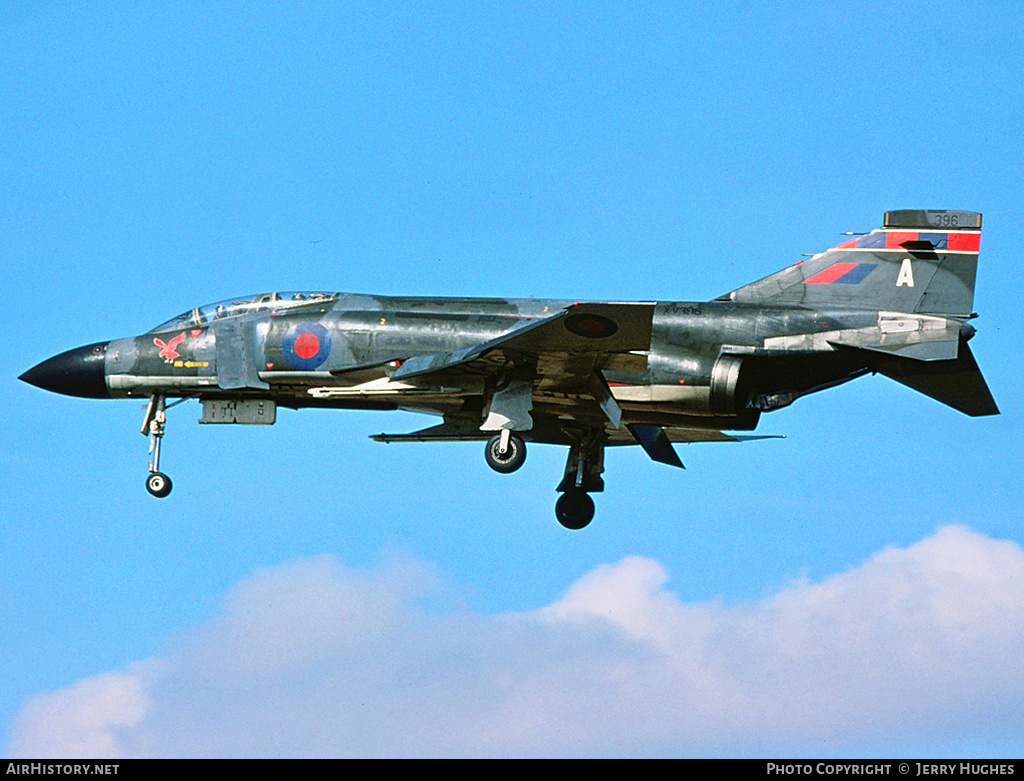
(574, 508)
(506, 451)
(157, 483)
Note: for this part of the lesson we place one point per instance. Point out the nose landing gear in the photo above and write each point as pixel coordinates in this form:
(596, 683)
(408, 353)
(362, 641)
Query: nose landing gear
(157, 483)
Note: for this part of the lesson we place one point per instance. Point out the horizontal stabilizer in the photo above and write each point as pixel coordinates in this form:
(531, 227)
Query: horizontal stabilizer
(957, 383)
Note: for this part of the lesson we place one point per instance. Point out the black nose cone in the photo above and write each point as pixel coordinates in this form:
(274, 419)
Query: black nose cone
(77, 372)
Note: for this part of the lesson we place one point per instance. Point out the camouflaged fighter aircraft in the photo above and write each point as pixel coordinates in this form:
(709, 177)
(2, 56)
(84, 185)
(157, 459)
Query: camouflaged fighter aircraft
(583, 375)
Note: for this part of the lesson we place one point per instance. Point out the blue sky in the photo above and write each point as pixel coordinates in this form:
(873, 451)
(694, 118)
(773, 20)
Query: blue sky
(855, 589)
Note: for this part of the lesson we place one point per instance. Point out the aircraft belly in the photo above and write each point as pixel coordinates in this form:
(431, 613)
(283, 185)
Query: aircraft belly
(146, 385)
(686, 396)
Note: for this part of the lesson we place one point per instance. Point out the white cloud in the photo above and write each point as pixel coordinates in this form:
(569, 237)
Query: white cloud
(919, 646)
(84, 720)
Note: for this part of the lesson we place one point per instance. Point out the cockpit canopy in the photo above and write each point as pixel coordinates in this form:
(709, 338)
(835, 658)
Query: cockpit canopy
(236, 307)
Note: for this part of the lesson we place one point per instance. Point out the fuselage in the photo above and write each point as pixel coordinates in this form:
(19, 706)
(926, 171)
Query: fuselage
(339, 350)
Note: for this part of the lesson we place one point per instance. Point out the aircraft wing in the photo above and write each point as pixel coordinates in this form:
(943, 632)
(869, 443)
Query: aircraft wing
(560, 357)
(656, 441)
(465, 430)
(566, 346)
(560, 354)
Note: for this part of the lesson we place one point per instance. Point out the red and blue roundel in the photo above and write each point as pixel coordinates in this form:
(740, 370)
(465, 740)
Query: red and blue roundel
(306, 346)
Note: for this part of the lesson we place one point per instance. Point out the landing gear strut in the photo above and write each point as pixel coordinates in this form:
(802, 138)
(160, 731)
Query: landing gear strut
(574, 508)
(157, 483)
(505, 452)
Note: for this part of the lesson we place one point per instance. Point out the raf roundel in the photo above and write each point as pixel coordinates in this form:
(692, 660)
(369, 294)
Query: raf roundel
(590, 326)
(306, 346)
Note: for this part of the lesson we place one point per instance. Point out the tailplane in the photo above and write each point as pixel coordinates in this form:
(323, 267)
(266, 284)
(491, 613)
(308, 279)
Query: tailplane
(957, 383)
(921, 262)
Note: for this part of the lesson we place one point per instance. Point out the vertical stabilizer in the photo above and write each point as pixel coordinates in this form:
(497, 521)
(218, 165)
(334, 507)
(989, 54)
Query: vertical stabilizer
(922, 262)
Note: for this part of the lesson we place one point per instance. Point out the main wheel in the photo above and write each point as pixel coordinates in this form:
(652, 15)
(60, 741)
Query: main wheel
(508, 460)
(158, 484)
(574, 509)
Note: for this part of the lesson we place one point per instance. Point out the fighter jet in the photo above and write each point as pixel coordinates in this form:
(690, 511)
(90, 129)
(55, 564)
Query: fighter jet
(585, 375)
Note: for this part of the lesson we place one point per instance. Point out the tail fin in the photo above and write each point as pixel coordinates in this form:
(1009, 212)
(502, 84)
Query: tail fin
(922, 262)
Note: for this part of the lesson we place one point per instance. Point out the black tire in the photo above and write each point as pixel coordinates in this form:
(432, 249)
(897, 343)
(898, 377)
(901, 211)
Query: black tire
(511, 459)
(574, 509)
(158, 484)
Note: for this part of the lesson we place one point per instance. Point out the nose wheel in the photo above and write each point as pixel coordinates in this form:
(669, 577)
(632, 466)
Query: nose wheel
(157, 483)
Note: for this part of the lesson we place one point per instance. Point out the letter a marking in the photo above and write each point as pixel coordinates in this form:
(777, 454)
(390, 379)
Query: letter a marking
(906, 276)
